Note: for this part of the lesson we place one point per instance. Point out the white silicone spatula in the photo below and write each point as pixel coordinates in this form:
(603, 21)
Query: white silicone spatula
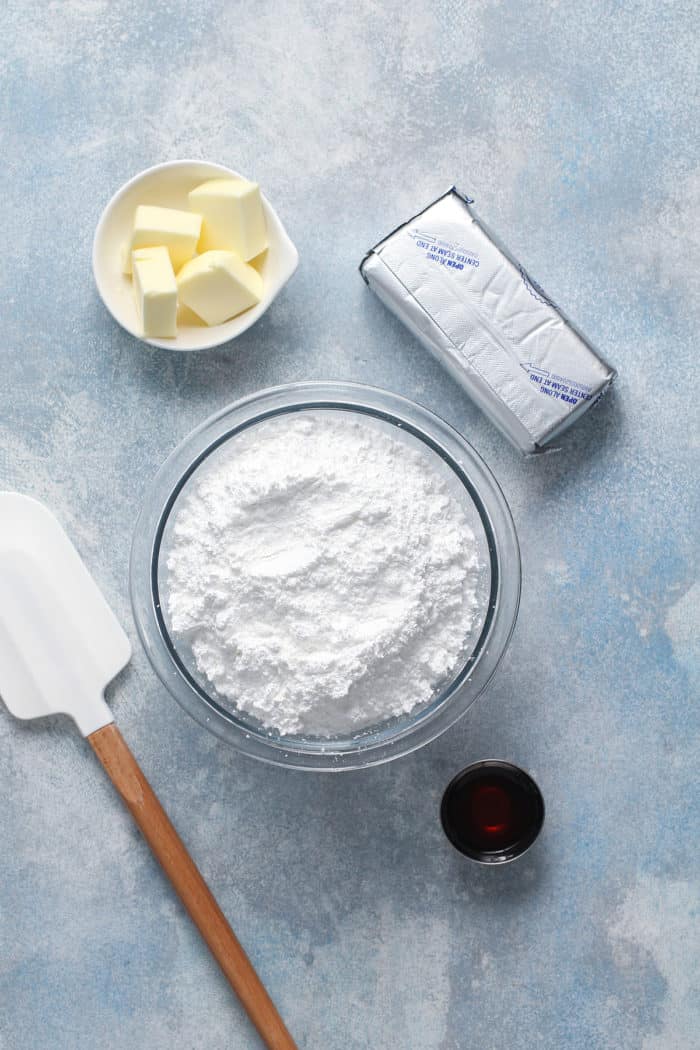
(60, 645)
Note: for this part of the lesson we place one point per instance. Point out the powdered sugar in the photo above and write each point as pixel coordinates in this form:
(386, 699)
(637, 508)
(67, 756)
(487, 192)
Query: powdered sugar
(324, 573)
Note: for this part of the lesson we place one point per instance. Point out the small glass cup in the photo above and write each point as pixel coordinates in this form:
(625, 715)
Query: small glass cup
(492, 812)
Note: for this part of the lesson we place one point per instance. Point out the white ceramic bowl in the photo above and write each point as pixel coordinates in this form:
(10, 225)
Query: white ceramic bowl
(168, 185)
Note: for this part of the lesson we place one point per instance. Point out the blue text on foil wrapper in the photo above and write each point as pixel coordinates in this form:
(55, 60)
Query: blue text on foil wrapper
(445, 253)
(559, 387)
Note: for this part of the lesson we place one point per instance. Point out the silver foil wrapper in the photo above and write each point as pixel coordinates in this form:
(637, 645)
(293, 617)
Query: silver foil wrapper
(477, 310)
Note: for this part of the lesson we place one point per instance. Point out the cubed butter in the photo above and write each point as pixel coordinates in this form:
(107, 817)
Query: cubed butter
(218, 285)
(155, 289)
(232, 216)
(179, 231)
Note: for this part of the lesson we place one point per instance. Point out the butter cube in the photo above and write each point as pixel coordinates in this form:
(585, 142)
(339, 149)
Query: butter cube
(218, 285)
(177, 230)
(232, 216)
(155, 289)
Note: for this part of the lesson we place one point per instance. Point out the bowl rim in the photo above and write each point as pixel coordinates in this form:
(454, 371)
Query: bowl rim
(285, 246)
(380, 745)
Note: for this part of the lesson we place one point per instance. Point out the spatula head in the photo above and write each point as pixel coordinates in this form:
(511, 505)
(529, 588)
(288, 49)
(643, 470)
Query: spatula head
(60, 643)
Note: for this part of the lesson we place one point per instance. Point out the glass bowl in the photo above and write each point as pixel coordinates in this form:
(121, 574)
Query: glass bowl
(487, 514)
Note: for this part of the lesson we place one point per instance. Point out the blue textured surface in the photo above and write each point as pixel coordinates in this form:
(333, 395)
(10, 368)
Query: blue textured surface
(571, 124)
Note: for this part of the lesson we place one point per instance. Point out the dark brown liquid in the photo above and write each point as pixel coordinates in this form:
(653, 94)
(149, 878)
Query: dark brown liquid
(492, 809)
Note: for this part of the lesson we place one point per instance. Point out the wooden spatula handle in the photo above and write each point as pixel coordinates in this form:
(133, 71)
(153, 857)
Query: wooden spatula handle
(126, 775)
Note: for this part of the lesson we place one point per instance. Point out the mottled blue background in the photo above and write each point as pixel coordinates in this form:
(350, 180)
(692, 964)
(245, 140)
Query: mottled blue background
(572, 125)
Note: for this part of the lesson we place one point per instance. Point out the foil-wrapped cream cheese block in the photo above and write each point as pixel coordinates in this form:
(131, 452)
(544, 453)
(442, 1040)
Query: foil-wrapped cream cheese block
(477, 310)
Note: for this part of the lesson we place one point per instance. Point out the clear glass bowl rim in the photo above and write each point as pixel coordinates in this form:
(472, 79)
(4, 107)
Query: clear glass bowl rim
(499, 528)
